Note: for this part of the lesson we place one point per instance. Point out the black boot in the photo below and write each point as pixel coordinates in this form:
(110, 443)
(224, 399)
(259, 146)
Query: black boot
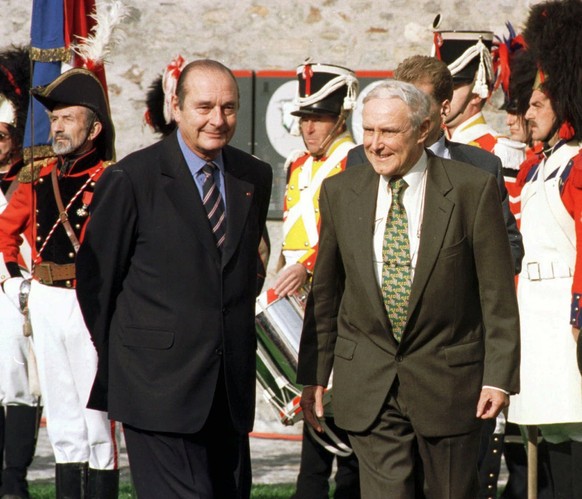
(561, 469)
(2, 433)
(71, 480)
(19, 446)
(102, 484)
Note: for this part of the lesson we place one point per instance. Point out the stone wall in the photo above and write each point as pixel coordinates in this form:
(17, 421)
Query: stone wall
(266, 34)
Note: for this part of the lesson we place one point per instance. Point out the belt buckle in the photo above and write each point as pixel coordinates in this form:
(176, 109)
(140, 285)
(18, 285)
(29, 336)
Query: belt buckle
(49, 275)
(533, 271)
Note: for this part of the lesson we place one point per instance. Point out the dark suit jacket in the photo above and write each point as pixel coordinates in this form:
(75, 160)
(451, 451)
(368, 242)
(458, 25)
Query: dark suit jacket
(485, 161)
(163, 308)
(462, 330)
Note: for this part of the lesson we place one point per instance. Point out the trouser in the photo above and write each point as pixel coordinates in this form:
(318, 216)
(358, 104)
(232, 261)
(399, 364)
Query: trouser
(393, 457)
(565, 455)
(14, 355)
(67, 363)
(515, 455)
(19, 411)
(316, 467)
(213, 463)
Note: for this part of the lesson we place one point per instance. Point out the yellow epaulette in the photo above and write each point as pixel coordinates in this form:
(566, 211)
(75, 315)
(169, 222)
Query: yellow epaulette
(106, 164)
(25, 174)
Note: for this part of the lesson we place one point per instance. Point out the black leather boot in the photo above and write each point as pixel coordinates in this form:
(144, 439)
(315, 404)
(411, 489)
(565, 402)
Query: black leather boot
(21, 428)
(102, 484)
(71, 480)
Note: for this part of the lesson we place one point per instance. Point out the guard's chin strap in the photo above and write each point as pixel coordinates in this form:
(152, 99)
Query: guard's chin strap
(330, 136)
(461, 110)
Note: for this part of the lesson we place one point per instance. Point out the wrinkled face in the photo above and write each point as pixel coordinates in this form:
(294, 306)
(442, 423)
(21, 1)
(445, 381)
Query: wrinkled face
(207, 119)
(540, 117)
(391, 144)
(518, 128)
(314, 130)
(6, 145)
(71, 131)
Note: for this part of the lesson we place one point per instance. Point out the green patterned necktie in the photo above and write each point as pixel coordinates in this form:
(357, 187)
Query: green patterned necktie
(396, 257)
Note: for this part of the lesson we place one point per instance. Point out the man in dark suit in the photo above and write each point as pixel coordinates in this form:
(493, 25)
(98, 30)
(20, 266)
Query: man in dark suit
(433, 77)
(412, 383)
(166, 281)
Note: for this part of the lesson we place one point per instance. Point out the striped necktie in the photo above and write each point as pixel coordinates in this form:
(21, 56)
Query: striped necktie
(396, 275)
(212, 201)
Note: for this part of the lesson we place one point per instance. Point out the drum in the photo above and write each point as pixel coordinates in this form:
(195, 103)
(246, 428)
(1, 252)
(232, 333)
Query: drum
(278, 323)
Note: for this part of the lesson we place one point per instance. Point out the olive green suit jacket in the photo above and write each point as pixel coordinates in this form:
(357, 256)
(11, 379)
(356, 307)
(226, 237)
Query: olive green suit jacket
(462, 330)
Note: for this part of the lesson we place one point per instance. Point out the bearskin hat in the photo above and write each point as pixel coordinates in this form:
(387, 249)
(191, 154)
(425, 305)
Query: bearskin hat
(553, 34)
(15, 84)
(154, 115)
(521, 81)
(159, 96)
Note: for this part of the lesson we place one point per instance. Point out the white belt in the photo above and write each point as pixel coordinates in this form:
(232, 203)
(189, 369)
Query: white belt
(536, 271)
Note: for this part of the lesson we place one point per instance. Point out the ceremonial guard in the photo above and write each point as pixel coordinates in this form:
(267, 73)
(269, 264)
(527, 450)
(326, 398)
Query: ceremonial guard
(326, 97)
(19, 401)
(550, 284)
(51, 205)
(468, 56)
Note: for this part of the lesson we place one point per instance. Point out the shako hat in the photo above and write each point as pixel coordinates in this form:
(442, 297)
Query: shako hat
(80, 87)
(325, 89)
(468, 57)
(14, 85)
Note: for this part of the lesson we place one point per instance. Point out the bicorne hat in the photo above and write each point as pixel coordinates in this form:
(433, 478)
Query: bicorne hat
(80, 87)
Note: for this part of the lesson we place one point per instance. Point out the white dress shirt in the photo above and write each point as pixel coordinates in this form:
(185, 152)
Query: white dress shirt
(413, 200)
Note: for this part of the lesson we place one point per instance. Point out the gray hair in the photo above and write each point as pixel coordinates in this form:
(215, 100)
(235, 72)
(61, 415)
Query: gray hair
(418, 102)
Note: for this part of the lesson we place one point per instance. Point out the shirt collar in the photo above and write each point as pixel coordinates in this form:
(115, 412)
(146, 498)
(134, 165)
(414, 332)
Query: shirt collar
(195, 162)
(439, 148)
(414, 176)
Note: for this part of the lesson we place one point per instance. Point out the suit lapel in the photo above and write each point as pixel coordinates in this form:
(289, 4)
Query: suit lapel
(182, 192)
(239, 197)
(362, 215)
(435, 220)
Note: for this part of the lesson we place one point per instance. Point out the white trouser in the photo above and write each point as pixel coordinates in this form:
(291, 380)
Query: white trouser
(14, 349)
(67, 363)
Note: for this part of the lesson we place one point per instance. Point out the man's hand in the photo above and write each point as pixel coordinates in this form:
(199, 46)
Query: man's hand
(491, 402)
(312, 405)
(290, 279)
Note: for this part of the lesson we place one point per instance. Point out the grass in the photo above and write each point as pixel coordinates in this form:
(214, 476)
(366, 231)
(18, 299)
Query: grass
(260, 491)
